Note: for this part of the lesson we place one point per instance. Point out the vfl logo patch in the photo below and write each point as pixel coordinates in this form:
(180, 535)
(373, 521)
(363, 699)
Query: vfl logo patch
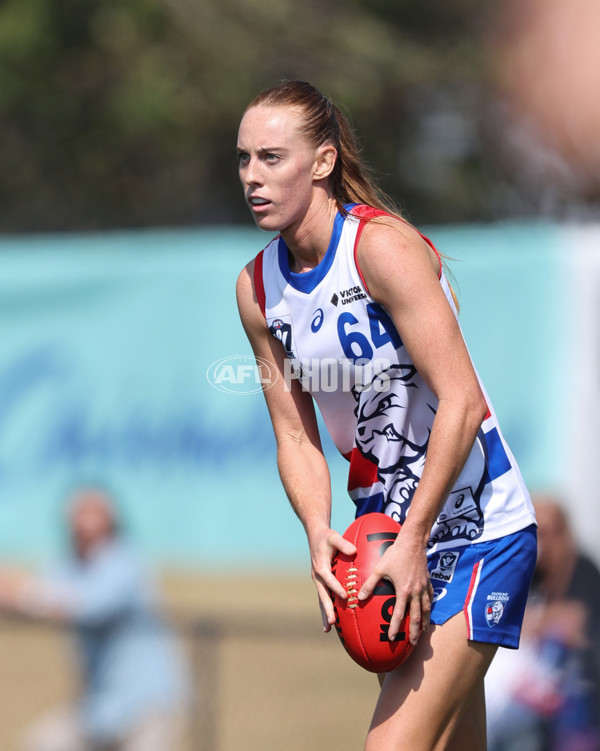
(444, 571)
(281, 329)
(494, 610)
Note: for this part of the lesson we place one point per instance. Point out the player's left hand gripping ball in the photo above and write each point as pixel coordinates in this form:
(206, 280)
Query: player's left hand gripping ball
(363, 625)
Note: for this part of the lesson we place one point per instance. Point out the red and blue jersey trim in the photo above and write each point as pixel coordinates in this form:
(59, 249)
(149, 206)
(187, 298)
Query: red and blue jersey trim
(259, 282)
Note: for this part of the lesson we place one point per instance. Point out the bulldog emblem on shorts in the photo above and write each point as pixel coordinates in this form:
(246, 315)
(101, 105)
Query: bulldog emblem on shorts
(494, 610)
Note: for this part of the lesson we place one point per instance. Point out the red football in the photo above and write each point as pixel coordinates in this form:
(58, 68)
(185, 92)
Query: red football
(363, 625)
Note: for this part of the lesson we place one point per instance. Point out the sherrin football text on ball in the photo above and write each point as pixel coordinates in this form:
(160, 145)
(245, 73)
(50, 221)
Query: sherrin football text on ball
(363, 626)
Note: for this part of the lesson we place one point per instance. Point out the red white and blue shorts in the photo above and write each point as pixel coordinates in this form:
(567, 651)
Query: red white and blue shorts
(489, 582)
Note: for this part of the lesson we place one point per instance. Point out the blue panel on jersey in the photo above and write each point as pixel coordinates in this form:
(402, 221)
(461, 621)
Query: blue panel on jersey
(308, 280)
(498, 461)
(369, 504)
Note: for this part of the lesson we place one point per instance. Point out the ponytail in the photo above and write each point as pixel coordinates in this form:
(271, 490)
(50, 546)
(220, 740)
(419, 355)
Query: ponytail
(352, 180)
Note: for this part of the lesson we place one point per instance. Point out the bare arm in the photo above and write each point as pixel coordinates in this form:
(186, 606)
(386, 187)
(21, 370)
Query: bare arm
(28, 595)
(99, 597)
(401, 273)
(302, 465)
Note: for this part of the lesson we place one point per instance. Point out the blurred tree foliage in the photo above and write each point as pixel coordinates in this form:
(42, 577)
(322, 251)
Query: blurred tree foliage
(117, 113)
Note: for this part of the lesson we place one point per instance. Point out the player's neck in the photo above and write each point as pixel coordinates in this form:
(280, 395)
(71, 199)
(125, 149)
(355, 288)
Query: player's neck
(308, 242)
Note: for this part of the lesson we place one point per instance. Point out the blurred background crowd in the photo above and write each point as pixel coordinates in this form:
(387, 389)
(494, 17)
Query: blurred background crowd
(124, 114)
(153, 581)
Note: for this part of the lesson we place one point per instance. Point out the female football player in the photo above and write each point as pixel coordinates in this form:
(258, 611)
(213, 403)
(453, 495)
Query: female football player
(350, 304)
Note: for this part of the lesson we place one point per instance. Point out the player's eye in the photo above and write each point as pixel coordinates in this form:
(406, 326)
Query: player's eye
(243, 158)
(270, 157)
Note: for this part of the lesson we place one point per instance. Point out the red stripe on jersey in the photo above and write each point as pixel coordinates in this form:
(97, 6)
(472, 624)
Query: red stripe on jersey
(362, 472)
(259, 284)
(365, 213)
(435, 250)
(470, 595)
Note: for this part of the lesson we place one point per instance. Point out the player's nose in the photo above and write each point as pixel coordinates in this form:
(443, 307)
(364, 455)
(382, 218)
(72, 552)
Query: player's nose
(252, 173)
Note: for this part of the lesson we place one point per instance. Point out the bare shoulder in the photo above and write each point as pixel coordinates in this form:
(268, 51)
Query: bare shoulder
(244, 287)
(247, 301)
(388, 242)
(396, 262)
(291, 408)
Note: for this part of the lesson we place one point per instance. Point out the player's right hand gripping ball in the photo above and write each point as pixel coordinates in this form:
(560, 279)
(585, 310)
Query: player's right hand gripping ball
(363, 625)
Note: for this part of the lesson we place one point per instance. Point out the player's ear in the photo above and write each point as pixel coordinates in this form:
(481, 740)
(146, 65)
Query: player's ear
(325, 161)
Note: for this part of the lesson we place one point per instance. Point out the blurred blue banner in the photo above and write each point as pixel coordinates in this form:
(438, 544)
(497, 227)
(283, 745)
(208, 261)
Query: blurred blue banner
(105, 345)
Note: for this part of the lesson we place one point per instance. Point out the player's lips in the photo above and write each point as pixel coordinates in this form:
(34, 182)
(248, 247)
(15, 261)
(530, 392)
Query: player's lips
(258, 203)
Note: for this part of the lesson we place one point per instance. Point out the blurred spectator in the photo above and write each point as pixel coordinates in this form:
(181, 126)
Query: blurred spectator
(132, 679)
(546, 695)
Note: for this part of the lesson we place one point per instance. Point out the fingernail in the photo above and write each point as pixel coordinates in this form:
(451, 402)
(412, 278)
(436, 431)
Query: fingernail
(362, 596)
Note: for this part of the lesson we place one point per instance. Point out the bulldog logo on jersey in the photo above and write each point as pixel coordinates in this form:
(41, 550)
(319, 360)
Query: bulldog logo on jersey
(392, 432)
(385, 439)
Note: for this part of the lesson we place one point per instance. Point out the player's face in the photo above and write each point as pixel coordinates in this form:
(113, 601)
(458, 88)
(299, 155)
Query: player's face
(276, 165)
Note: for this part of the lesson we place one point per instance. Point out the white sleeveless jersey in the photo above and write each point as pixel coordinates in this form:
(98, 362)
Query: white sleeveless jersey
(347, 353)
